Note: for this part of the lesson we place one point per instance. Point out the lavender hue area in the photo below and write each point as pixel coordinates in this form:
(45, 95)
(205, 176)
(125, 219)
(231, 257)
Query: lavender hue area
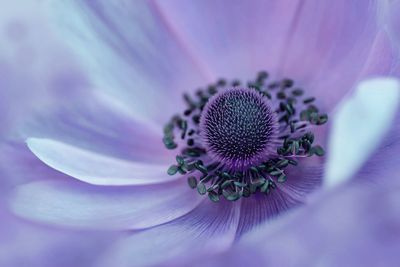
(86, 88)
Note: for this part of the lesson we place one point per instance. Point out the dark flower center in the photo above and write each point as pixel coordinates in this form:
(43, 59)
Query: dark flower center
(237, 125)
(238, 141)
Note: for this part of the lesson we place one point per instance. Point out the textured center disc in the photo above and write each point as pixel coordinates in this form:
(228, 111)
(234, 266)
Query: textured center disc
(237, 125)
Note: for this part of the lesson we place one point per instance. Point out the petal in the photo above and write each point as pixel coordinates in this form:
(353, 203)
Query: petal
(358, 127)
(208, 229)
(383, 166)
(95, 168)
(302, 180)
(324, 46)
(132, 54)
(99, 125)
(23, 243)
(18, 165)
(348, 227)
(336, 43)
(235, 39)
(26, 244)
(78, 205)
(28, 40)
(391, 21)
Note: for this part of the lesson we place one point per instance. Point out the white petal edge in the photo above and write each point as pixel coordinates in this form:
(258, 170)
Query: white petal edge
(94, 168)
(359, 124)
(82, 206)
(210, 228)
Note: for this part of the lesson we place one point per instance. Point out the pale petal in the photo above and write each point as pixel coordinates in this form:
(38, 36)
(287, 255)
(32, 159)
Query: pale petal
(358, 126)
(334, 44)
(325, 46)
(383, 166)
(207, 230)
(390, 20)
(235, 39)
(79, 205)
(356, 225)
(132, 54)
(25, 243)
(301, 181)
(94, 168)
(97, 124)
(36, 69)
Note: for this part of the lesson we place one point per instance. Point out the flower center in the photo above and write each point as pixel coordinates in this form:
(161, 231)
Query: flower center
(238, 141)
(237, 126)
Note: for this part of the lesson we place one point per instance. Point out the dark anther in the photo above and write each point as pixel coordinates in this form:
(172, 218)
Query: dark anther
(196, 119)
(308, 100)
(297, 92)
(287, 83)
(189, 101)
(241, 142)
(273, 85)
(235, 83)
(262, 75)
(281, 95)
(190, 142)
(212, 90)
(221, 82)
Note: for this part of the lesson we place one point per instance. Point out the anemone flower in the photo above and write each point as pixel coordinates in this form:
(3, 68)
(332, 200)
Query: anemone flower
(207, 119)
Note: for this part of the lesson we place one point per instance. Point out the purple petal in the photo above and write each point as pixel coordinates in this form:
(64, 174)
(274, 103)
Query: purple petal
(133, 54)
(23, 243)
(26, 244)
(352, 226)
(18, 165)
(208, 229)
(235, 39)
(336, 43)
(78, 205)
(359, 125)
(301, 180)
(383, 165)
(36, 70)
(95, 168)
(391, 20)
(325, 46)
(96, 124)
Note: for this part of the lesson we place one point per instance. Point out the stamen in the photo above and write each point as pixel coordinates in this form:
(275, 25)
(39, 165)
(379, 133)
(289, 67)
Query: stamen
(239, 141)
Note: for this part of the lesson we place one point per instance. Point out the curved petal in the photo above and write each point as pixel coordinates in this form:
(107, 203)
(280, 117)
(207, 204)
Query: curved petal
(132, 54)
(18, 165)
(302, 179)
(347, 227)
(78, 205)
(383, 164)
(95, 168)
(96, 124)
(28, 40)
(208, 229)
(326, 46)
(26, 244)
(358, 127)
(336, 43)
(237, 38)
(390, 20)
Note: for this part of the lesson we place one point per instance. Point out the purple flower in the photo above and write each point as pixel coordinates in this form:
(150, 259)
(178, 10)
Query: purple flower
(255, 148)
